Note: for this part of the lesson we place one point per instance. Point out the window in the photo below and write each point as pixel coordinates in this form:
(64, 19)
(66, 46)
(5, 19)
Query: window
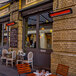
(6, 35)
(31, 32)
(0, 34)
(45, 31)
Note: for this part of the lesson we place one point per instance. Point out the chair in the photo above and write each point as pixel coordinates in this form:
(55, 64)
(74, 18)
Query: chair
(23, 68)
(12, 59)
(19, 56)
(30, 59)
(4, 52)
(62, 70)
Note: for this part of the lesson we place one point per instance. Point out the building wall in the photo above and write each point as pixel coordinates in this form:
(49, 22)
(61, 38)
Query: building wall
(64, 39)
(16, 16)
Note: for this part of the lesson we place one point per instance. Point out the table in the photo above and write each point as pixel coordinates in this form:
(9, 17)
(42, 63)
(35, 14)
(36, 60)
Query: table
(32, 74)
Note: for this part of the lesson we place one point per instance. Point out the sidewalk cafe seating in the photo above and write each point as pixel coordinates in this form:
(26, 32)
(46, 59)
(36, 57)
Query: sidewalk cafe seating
(62, 70)
(4, 54)
(30, 59)
(11, 59)
(24, 69)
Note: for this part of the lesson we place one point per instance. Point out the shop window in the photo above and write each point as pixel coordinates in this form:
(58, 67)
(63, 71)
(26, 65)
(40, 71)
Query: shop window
(6, 35)
(0, 34)
(31, 32)
(45, 31)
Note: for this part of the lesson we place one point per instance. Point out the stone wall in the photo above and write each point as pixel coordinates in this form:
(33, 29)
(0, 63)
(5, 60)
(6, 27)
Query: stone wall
(64, 37)
(16, 16)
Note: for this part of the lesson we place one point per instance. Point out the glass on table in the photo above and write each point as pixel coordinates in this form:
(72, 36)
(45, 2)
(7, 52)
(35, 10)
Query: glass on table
(42, 73)
(47, 73)
(37, 71)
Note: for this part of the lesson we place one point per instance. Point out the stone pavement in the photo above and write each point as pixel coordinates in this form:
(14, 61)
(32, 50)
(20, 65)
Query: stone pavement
(7, 71)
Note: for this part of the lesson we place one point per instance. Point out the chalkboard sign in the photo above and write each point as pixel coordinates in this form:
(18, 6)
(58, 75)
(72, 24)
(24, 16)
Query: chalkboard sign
(14, 38)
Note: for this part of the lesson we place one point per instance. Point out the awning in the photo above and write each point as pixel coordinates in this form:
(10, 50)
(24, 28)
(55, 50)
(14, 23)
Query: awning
(4, 18)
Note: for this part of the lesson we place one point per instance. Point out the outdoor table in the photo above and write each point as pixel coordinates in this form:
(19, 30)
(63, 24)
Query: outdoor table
(33, 74)
(42, 74)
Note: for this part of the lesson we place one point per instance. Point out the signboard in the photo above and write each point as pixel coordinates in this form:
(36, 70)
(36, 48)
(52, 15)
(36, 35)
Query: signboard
(60, 13)
(14, 38)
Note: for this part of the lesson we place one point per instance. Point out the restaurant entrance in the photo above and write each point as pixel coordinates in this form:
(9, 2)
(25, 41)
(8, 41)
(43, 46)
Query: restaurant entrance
(37, 34)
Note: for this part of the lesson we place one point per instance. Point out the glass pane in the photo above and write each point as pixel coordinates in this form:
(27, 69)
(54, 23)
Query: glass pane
(45, 31)
(5, 35)
(31, 32)
(0, 34)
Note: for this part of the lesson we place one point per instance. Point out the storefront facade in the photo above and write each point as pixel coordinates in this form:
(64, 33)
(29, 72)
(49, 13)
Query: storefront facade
(52, 40)
(37, 33)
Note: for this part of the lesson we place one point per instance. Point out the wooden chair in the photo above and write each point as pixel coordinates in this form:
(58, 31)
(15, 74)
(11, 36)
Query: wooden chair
(19, 56)
(12, 59)
(30, 59)
(62, 70)
(4, 52)
(23, 69)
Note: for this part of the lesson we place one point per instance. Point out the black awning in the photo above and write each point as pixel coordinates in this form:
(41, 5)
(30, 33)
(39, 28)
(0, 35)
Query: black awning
(5, 18)
(39, 7)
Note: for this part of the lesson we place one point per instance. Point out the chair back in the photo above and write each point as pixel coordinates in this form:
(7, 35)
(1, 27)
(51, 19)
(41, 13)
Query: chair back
(20, 52)
(62, 70)
(14, 54)
(30, 56)
(23, 68)
(4, 51)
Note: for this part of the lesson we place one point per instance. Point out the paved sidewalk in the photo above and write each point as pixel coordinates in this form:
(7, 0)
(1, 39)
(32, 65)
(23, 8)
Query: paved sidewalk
(7, 71)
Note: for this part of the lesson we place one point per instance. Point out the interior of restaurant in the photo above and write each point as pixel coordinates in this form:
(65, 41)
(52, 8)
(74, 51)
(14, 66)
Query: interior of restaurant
(45, 31)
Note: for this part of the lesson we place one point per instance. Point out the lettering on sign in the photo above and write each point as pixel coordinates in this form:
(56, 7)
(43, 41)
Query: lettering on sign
(14, 38)
(43, 50)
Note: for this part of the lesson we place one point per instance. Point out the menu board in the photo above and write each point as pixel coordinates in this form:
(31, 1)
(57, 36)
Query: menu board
(14, 38)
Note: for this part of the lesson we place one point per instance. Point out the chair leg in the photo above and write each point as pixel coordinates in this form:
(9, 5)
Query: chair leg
(17, 62)
(19, 74)
(1, 61)
(6, 62)
(12, 63)
(32, 65)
